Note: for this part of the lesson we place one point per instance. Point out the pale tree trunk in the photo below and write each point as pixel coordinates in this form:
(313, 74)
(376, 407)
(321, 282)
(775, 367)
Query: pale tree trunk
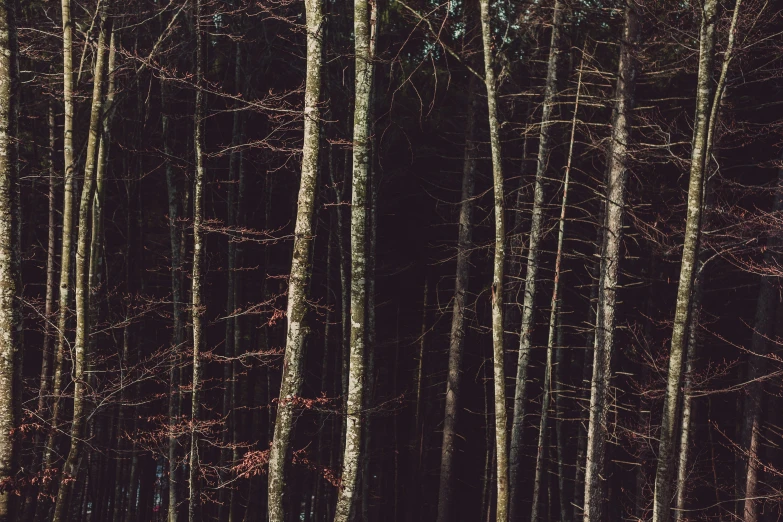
(501, 416)
(667, 445)
(301, 266)
(682, 463)
(65, 252)
(196, 297)
(553, 317)
(83, 254)
(687, 400)
(531, 271)
(361, 162)
(610, 269)
(10, 256)
(445, 501)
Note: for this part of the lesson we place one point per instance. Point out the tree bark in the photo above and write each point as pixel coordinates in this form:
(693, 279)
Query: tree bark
(10, 257)
(666, 448)
(301, 266)
(501, 417)
(610, 261)
(531, 271)
(445, 501)
(82, 286)
(363, 32)
(553, 315)
(66, 244)
(196, 297)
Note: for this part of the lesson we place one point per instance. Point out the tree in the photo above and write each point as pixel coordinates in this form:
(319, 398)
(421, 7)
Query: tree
(82, 283)
(617, 175)
(499, 372)
(457, 335)
(10, 259)
(301, 265)
(363, 26)
(666, 446)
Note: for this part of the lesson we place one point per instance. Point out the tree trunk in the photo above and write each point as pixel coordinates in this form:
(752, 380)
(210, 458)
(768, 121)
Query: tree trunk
(83, 254)
(10, 257)
(501, 419)
(666, 448)
(763, 330)
(66, 244)
(553, 316)
(531, 274)
(178, 327)
(46, 350)
(301, 266)
(363, 31)
(445, 501)
(230, 411)
(687, 400)
(610, 262)
(197, 299)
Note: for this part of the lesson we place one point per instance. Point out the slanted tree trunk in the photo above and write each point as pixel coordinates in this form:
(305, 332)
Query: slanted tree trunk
(531, 272)
(501, 417)
(667, 445)
(554, 318)
(361, 163)
(196, 294)
(10, 256)
(83, 254)
(445, 501)
(301, 266)
(610, 270)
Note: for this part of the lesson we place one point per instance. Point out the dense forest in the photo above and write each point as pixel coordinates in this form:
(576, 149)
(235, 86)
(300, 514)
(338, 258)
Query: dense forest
(391, 260)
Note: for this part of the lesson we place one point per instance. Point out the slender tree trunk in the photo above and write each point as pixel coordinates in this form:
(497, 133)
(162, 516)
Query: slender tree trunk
(67, 235)
(610, 261)
(587, 366)
(445, 501)
(237, 159)
(196, 294)
(501, 416)
(553, 316)
(46, 359)
(83, 254)
(666, 448)
(363, 33)
(687, 400)
(560, 433)
(762, 331)
(301, 266)
(10, 257)
(178, 332)
(531, 275)
(230, 412)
